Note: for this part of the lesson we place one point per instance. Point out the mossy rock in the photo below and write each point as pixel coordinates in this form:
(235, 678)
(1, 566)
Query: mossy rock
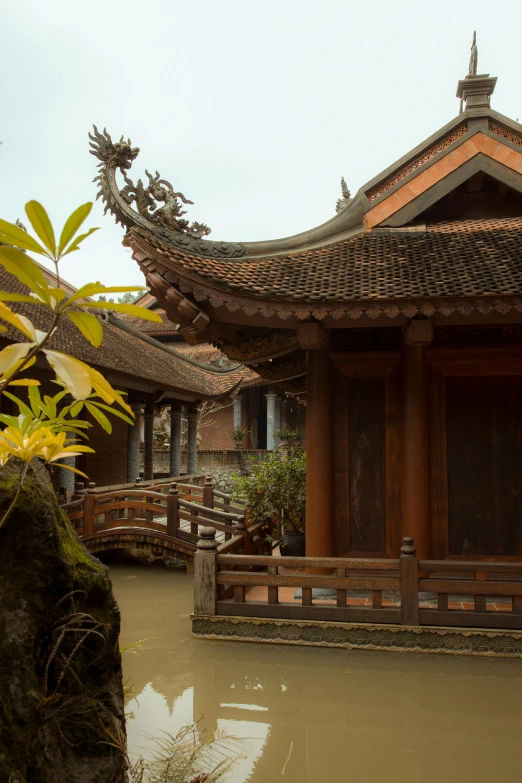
(61, 691)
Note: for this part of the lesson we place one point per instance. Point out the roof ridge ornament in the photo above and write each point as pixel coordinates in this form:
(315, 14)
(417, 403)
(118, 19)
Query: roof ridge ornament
(473, 60)
(476, 89)
(165, 222)
(345, 197)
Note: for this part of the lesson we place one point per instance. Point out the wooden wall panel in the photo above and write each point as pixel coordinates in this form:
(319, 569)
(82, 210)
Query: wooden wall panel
(367, 465)
(484, 456)
(360, 459)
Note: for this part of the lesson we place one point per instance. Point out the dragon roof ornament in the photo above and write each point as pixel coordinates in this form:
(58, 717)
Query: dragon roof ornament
(137, 205)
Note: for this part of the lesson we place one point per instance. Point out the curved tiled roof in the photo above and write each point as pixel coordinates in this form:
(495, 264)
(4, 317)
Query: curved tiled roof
(119, 352)
(469, 257)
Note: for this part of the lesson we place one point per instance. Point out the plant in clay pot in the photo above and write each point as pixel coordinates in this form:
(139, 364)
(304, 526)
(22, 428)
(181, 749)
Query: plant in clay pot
(275, 494)
(288, 439)
(238, 435)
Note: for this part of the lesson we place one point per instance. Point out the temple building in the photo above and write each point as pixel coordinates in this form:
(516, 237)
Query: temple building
(153, 379)
(400, 319)
(258, 408)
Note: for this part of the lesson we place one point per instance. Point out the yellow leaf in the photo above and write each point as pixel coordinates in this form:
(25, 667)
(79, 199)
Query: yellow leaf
(128, 309)
(104, 390)
(73, 470)
(7, 296)
(24, 269)
(88, 325)
(71, 372)
(19, 321)
(79, 240)
(41, 224)
(72, 224)
(12, 235)
(12, 355)
(24, 382)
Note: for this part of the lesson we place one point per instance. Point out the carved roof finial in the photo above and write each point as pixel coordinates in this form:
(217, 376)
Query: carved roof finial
(473, 60)
(345, 198)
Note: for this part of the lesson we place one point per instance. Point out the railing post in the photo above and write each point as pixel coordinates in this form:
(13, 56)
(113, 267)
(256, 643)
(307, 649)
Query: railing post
(173, 510)
(79, 490)
(208, 492)
(409, 583)
(89, 503)
(205, 566)
(241, 530)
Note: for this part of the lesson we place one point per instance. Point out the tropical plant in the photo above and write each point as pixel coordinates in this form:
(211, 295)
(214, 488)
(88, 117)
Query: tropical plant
(288, 435)
(41, 430)
(238, 434)
(275, 492)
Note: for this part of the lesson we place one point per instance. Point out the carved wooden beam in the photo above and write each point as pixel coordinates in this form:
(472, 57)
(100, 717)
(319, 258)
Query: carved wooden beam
(267, 346)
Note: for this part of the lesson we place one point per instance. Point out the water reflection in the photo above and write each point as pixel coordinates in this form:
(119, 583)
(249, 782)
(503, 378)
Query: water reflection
(314, 714)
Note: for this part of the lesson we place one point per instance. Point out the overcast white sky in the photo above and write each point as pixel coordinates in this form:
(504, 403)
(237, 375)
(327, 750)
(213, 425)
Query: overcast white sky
(253, 110)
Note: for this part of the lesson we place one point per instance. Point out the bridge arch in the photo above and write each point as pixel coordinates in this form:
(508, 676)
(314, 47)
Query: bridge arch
(157, 544)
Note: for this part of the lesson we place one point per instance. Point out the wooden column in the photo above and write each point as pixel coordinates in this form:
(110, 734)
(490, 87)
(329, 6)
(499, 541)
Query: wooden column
(148, 445)
(175, 438)
(133, 443)
(192, 440)
(416, 464)
(319, 440)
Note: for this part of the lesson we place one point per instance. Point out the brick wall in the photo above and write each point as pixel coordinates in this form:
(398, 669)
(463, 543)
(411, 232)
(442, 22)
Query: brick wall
(109, 464)
(215, 436)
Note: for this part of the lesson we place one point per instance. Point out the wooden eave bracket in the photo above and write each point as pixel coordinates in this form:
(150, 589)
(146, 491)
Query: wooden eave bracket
(312, 335)
(419, 332)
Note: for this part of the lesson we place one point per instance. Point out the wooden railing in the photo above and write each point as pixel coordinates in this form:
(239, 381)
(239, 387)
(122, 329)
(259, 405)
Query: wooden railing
(405, 591)
(176, 510)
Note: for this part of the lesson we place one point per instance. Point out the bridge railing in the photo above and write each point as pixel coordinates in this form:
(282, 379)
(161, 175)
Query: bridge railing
(176, 510)
(404, 591)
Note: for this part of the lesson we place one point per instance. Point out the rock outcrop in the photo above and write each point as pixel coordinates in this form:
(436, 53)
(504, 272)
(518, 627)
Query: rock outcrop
(61, 693)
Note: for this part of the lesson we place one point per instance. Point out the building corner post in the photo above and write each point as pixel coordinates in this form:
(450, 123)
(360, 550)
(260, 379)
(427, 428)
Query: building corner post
(319, 529)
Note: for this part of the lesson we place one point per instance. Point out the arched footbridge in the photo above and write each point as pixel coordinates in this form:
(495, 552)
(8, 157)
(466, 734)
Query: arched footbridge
(162, 519)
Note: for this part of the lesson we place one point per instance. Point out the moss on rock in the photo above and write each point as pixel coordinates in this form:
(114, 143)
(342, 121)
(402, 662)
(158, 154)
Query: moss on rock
(60, 667)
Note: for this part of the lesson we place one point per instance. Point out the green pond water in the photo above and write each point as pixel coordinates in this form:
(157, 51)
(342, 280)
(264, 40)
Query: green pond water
(311, 714)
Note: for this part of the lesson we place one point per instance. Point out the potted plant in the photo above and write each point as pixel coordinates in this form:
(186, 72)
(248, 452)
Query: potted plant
(275, 494)
(238, 436)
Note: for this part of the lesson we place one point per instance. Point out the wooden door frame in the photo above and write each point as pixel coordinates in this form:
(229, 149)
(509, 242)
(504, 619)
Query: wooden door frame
(458, 361)
(386, 365)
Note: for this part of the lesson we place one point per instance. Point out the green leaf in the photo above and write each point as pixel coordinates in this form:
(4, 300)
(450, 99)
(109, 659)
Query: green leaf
(76, 409)
(17, 237)
(88, 325)
(41, 224)
(128, 309)
(25, 270)
(91, 289)
(78, 241)
(100, 417)
(72, 224)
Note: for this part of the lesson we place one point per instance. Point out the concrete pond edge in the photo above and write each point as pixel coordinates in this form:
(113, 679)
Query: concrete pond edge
(358, 636)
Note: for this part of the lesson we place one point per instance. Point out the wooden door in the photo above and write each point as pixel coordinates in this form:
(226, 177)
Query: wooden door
(477, 453)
